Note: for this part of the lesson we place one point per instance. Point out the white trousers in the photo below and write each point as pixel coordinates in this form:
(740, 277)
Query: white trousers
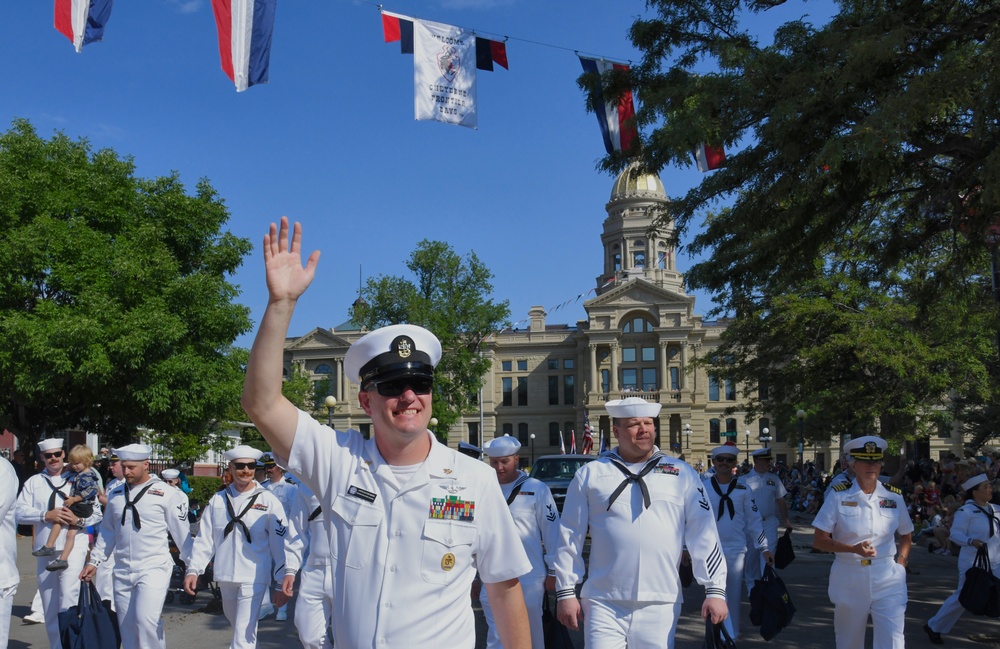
(241, 604)
(139, 600)
(858, 591)
(6, 602)
(534, 591)
(754, 568)
(60, 589)
(313, 606)
(632, 625)
(734, 588)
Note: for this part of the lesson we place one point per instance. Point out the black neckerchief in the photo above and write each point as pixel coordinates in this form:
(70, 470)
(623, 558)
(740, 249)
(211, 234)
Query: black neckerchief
(235, 520)
(630, 477)
(990, 516)
(724, 498)
(130, 504)
(316, 512)
(52, 496)
(517, 489)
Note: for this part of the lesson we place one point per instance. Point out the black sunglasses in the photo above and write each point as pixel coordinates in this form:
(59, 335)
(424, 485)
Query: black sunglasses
(49, 456)
(727, 460)
(397, 387)
(244, 465)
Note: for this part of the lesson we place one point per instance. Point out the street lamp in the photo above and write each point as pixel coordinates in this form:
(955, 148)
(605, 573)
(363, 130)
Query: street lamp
(531, 458)
(801, 414)
(748, 442)
(331, 405)
(687, 431)
(764, 437)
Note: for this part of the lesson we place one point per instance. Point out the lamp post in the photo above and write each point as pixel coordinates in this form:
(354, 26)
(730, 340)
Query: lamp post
(748, 442)
(331, 405)
(801, 414)
(531, 457)
(687, 431)
(764, 437)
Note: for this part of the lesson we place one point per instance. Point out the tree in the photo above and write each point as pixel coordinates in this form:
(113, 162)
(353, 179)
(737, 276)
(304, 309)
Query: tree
(115, 306)
(448, 296)
(298, 389)
(862, 164)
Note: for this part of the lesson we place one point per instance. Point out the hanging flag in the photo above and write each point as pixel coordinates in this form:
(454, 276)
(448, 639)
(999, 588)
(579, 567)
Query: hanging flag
(444, 74)
(588, 435)
(82, 21)
(396, 27)
(604, 443)
(245, 28)
(572, 442)
(489, 52)
(562, 444)
(709, 157)
(616, 120)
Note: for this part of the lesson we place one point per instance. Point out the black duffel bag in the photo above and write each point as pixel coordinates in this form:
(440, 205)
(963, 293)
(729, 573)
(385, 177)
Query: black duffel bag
(771, 607)
(89, 624)
(980, 594)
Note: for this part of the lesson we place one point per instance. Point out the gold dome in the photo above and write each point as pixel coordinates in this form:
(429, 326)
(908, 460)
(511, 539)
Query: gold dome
(633, 182)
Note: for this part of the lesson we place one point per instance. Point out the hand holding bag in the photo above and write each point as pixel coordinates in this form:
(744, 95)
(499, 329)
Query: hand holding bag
(717, 636)
(980, 594)
(89, 625)
(556, 635)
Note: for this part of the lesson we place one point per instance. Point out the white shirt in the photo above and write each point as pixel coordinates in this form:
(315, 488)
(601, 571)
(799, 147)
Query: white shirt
(34, 502)
(851, 516)
(972, 523)
(403, 565)
(745, 521)
(160, 508)
(9, 575)
(635, 551)
(284, 490)
(537, 521)
(767, 489)
(236, 560)
(307, 533)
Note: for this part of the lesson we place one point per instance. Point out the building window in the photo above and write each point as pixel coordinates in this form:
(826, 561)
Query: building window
(713, 388)
(762, 424)
(639, 259)
(508, 391)
(779, 436)
(649, 354)
(605, 381)
(522, 366)
(568, 389)
(553, 390)
(762, 392)
(628, 354)
(713, 431)
(629, 380)
(568, 364)
(505, 366)
(553, 363)
(675, 378)
(473, 428)
(731, 427)
(365, 430)
(944, 429)
(522, 390)
(323, 369)
(554, 434)
(522, 434)
(649, 379)
(730, 390)
(508, 429)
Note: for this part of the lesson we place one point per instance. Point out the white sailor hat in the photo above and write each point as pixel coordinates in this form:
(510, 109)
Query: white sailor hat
(761, 454)
(134, 452)
(726, 449)
(974, 482)
(50, 444)
(502, 446)
(867, 447)
(242, 452)
(632, 407)
(470, 449)
(170, 474)
(392, 352)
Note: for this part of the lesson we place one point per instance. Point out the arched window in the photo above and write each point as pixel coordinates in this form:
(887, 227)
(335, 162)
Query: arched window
(323, 369)
(713, 431)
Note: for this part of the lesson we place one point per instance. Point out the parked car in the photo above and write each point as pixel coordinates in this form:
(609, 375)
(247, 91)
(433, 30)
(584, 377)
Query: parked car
(556, 471)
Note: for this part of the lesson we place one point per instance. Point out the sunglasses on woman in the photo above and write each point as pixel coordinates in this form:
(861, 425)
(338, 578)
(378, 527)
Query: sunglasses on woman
(397, 387)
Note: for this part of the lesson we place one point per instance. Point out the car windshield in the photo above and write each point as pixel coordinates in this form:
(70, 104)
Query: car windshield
(557, 469)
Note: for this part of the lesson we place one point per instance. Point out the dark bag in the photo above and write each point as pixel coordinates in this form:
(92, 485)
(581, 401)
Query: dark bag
(771, 607)
(784, 554)
(89, 624)
(556, 635)
(686, 572)
(980, 594)
(717, 636)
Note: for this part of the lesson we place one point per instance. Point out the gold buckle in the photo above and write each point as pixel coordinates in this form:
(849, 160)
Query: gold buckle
(866, 562)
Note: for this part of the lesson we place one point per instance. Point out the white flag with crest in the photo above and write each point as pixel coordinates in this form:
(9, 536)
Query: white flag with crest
(444, 73)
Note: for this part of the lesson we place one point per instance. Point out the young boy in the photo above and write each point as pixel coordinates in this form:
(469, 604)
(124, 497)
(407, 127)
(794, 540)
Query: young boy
(80, 502)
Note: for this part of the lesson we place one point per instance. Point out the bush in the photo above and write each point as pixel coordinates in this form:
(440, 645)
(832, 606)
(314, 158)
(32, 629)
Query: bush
(203, 487)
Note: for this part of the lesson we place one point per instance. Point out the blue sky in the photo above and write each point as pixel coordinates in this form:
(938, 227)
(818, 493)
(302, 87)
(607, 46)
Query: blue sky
(331, 140)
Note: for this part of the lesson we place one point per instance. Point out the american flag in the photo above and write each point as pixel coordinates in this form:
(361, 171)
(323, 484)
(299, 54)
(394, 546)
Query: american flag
(572, 442)
(562, 444)
(588, 435)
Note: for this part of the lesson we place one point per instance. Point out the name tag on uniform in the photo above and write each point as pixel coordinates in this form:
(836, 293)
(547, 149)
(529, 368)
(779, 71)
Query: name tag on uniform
(526, 493)
(363, 494)
(849, 503)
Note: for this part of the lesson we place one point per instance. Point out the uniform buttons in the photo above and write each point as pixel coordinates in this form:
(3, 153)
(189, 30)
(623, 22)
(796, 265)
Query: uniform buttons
(395, 532)
(392, 568)
(381, 641)
(353, 518)
(387, 604)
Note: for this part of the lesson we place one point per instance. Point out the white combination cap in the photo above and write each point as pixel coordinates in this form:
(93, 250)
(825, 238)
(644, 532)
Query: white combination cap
(392, 352)
(632, 407)
(761, 454)
(867, 447)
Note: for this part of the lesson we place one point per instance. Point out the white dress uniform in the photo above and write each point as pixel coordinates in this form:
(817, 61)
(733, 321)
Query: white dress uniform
(59, 589)
(285, 492)
(9, 575)
(633, 592)
(767, 489)
(876, 586)
(737, 519)
(249, 549)
(971, 523)
(134, 532)
(103, 580)
(537, 520)
(307, 547)
(405, 551)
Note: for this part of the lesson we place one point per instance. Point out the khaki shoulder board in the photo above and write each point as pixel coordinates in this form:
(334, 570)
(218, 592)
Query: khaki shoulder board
(841, 487)
(893, 489)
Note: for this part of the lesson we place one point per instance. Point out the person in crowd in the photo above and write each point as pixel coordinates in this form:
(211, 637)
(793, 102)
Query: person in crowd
(138, 517)
(243, 526)
(977, 524)
(9, 575)
(641, 508)
(473, 451)
(81, 501)
(769, 494)
(307, 548)
(284, 491)
(394, 498)
(537, 520)
(859, 523)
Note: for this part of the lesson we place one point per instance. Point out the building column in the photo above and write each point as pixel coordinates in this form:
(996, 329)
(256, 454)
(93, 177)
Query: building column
(341, 380)
(613, 382)
(664, 374)
(594, 385)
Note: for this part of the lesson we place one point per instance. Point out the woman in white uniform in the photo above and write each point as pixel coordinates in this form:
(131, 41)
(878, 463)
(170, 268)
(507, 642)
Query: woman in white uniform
(976, 523)
(859, 523)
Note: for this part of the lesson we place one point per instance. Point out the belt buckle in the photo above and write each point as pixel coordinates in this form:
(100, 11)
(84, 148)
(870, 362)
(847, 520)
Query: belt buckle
(866, 562)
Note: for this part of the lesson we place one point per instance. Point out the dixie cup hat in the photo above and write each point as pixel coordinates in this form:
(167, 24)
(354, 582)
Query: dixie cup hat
(242, 452)
(632, 407)
(974, 482)
(134, 452)
(50, 444)
(503, 446)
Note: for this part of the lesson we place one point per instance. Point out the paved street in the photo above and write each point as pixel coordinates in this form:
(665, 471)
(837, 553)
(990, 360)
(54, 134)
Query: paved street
(935, 577)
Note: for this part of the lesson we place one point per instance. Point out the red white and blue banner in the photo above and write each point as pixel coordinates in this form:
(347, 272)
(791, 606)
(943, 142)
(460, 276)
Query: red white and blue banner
(82, 21)
(572, 442)
(588, 435)
(617, 119)
(709, 157)
(245, 28)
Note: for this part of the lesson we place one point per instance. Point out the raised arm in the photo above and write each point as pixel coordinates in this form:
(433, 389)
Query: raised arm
(273, 415)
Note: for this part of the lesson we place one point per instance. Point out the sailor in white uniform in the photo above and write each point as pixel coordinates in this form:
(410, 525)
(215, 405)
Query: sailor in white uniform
(737, 519)
(39, 505)
(285, 492)
(860, 523)
(103, 579)
(769, 494)
(307, 548)
(244, 526)
(9, 575)
(410, 519)
(641, 508)
(537, 520)
(138, 517)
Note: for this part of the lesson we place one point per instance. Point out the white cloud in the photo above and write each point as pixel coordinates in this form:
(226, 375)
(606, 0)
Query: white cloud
(185, 6)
